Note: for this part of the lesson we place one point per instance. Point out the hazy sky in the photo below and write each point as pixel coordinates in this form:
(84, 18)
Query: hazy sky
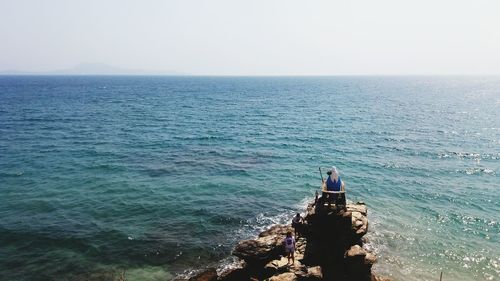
(254, 37)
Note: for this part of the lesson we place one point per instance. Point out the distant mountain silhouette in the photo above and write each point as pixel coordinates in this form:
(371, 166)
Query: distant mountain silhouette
(93, 69)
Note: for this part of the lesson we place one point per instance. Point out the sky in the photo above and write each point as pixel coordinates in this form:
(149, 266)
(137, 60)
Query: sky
(254, 37)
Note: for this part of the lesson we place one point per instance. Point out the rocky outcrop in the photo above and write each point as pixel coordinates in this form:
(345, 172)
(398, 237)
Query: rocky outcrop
(263, 249)
(334, 241)
(330, 247)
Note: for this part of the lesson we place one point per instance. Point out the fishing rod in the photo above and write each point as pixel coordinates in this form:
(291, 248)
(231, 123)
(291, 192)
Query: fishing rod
(322, 181)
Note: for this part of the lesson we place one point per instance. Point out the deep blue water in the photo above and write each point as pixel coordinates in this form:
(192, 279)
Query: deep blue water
(151, 176)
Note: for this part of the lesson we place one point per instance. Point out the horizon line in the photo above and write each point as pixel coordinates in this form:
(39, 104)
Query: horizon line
(242, 75)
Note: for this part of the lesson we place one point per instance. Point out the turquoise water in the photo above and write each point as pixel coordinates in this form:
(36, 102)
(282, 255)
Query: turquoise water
(152, 176)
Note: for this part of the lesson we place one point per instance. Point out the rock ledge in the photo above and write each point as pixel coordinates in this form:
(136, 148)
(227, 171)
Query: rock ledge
(330, 247)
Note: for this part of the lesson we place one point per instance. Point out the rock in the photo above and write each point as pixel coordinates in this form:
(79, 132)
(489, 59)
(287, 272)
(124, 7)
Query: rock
(315, 273)
(300, 246)
(311, 209)
(237, 271)
(298, 257)
(358, 218)
(278, 263)
(358, 264)
(279, 266)
(299, 270)
(277, 230)
(260, 250)
(356, 251)
(283, 262)
(235, 274)
(266, 247)
(359, 223)
(370, 259)
(379, 278)
(206, 275)
(288, 276)
(357, 208)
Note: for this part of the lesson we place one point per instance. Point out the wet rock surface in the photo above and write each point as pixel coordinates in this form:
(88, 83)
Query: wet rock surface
(207, 275)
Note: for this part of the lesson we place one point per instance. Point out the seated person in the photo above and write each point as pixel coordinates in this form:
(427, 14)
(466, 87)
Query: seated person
(333, 183)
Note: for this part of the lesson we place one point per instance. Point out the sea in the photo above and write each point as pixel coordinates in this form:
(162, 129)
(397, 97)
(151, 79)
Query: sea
(149, 177)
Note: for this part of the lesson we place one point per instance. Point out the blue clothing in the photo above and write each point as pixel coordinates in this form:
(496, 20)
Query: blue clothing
(333, 185)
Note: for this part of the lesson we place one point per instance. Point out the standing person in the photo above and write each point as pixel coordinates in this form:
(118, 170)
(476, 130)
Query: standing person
(297, 224)
(289, 244)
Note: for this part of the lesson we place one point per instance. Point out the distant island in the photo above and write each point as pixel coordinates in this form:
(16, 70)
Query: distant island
(92, 69)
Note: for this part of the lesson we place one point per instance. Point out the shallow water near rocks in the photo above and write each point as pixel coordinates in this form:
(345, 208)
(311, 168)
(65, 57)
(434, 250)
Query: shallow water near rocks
(151, 176)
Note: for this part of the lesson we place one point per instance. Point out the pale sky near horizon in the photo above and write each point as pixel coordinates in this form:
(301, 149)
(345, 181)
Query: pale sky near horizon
(230, 37)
